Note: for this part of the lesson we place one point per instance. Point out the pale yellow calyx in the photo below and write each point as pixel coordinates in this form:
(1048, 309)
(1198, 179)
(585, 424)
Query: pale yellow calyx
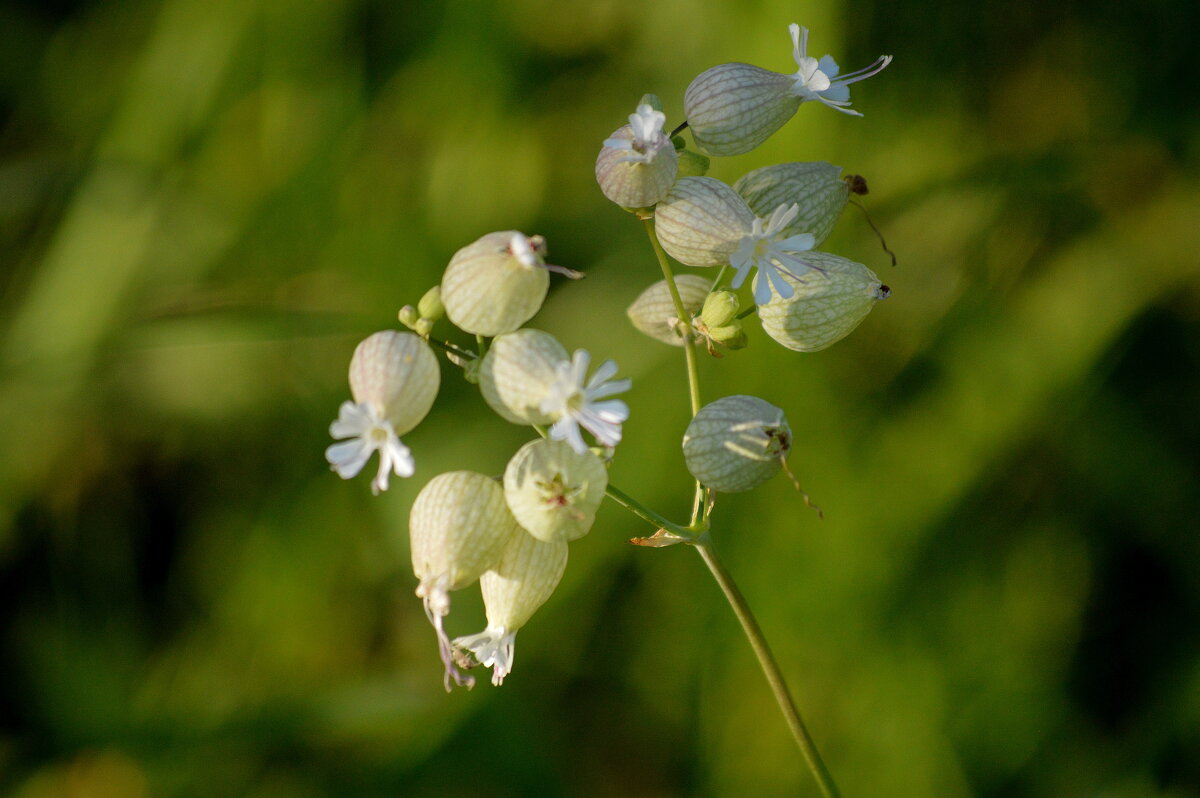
(554, 491)
(828, 303)
(495, 284)
(397, 375)
(654, 312)
(638, 174)
(815, 188)
(517, 373)
(736, 443)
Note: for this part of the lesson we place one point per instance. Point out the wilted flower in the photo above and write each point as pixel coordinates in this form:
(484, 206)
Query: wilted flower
(576, 404)
(394, 380)
(736, 443)
(525, 576)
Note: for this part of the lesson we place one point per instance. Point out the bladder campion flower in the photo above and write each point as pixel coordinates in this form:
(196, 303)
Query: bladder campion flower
(394, 380)
(496, 284)
(638, 163)
(732, 108)
(554, 491)
(736, 443)
(575, 403)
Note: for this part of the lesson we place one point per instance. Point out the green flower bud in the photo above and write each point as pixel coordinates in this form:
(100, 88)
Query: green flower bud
(397, 375)
(720, 308)
(431, 307)
(458, 528)
(736, 443)
(816, 188)
(517, 372)
(409, 316)
(692, 164)
(702, 221)
(828, 303)
(526, 575)
(730, 335)
(554, 491)
(496, 284)
(637, 164)
(653, 312)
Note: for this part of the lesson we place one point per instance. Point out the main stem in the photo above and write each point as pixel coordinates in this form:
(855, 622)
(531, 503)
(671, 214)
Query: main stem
(770, 669)
(733, 595)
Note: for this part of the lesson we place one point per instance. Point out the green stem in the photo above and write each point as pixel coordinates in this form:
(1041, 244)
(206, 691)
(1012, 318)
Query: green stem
(693, 365)
(449, 347)
(645, 513)
(770, 668)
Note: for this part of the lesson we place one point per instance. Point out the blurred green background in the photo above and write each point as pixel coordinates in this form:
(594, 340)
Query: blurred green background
(204, 205)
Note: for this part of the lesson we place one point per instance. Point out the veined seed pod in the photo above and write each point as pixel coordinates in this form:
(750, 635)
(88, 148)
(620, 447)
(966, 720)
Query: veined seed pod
(736, 443)
(517, 372)
(458, 528)
(701, 221)
(496, 284)
(816, 188)
(828, 303)
(654, 314)
(637, 164)
(528, 571)
(732, 108)
(554, 491)
(396, 374)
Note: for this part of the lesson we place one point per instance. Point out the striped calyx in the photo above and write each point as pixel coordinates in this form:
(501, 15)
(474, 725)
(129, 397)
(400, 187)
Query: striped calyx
(396, 373)
(654, 314)
(816, 188)
(495, 284)
(736, 443)
(517, 373)
(458, 527)
(828, 302)
(554, 491)
(637, 164)
(732, 108)
(701, 221)
(526, 575)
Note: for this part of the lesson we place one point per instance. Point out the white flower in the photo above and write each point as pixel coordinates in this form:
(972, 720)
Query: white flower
(575, 404)
(367, 433)
(818, 80)
(764, 249)
(648, 137)
(527, 250)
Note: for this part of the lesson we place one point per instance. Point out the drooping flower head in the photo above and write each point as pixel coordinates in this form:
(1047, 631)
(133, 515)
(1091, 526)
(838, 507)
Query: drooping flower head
(394, 380)
(575, 401)
(819, 80)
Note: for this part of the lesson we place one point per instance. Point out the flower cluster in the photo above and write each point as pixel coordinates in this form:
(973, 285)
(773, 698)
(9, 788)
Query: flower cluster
(465, 528)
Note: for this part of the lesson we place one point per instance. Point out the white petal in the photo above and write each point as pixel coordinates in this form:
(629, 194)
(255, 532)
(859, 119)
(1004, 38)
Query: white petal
(494, 648)
(606, 370)
(348, 457)
(353, 420)
(797, 243)
(608, 389)
(828, 65)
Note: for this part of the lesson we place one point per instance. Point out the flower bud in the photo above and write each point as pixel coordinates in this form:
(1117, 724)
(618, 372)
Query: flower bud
(732, 108)
(409, 316)
(430, 306)
(736, 443)
(654, 314)
(526, 575)
(397, 374)
(701, 221)
(720, 308)
(496, 284)
(816, 188)
(828, 303)
(458, 528)
(729, 335)
(554, 491)
(517, 372)
(637, 164)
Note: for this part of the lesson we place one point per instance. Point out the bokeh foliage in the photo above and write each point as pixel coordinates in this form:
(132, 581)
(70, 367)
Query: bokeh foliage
(204, 204)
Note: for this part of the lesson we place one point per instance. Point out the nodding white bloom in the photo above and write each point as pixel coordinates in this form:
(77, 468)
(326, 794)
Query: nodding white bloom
(554, 491)
(765, 248)
(638, 163)
(458, 528)
(704, 222)
(525, 576)
(732, 108)
(818, 80)
(575, 403)
(394, 380)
